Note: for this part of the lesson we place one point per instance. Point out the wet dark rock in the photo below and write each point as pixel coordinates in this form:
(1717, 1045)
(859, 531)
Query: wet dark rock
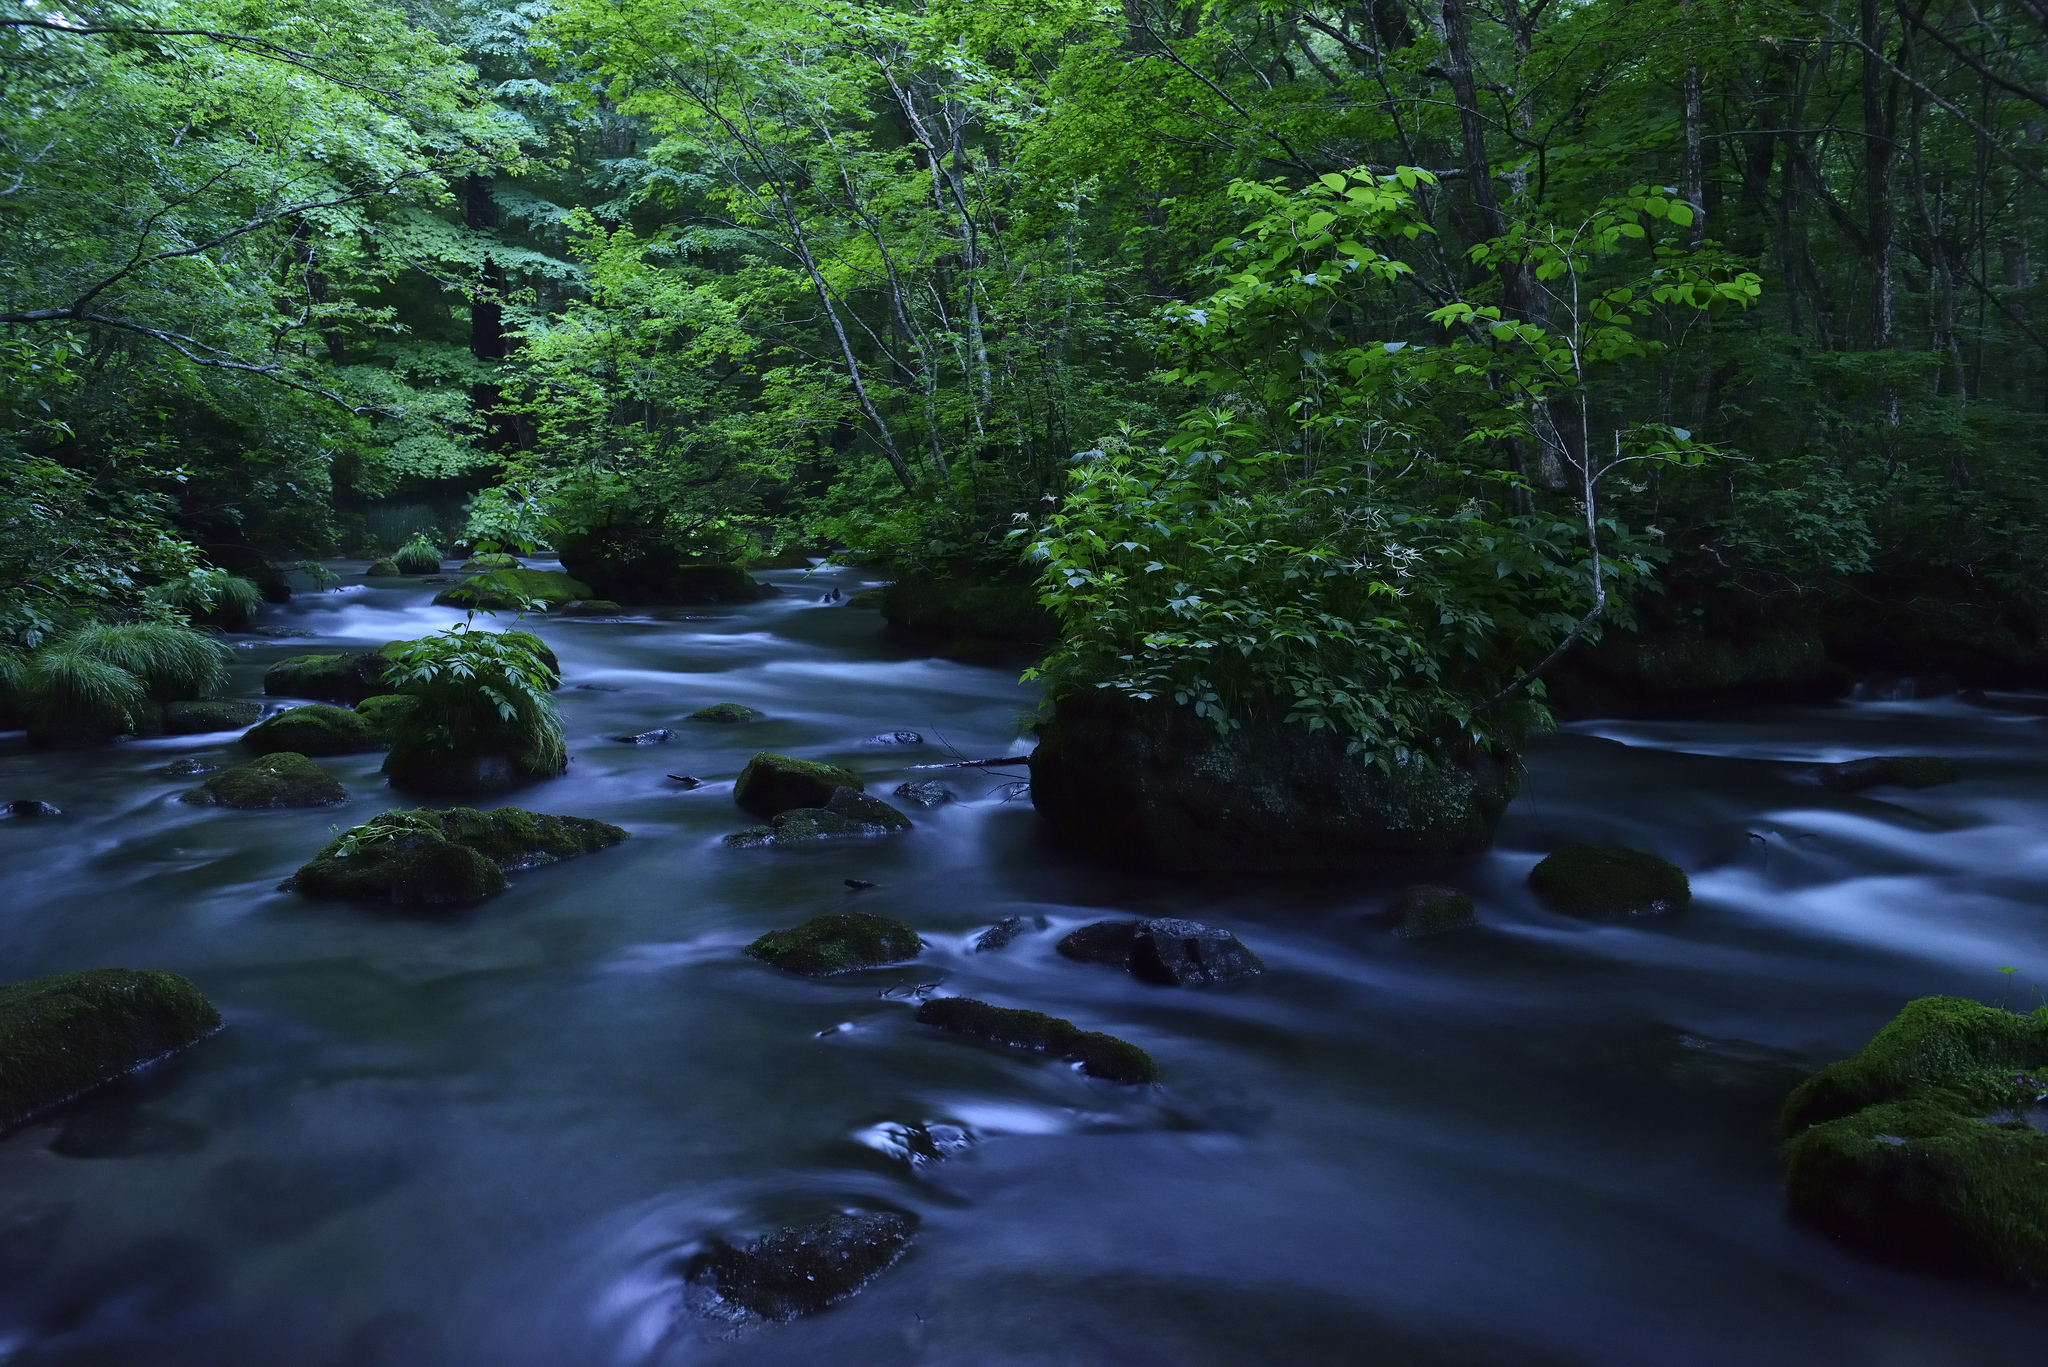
(687, 781)
(65, 1035)
(189, 767)
(640, 565)
(315, 729)
(805, 1268)
(848, 813)
(1920, 1147)
(281, 780)
(329, 678)
(1150, 785)
(591, 607)
(999, 935)
(1425, 909)
(658, 736)
(925, 792)
(29, 808)
(513, 589)
(726, 712)
(1099, 1055)
(1896, 771)
(1101, 942)
(194, 718)
(1609, 880)
(837, 943)
(773, 783)
(429, 858)
(859, 885)
(1165, 950)
(896, 738)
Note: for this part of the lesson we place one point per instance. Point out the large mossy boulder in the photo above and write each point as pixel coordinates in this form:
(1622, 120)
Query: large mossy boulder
(1609, 880)
(637, 565)
(481, 718)
(445, 858)
(331, 678)
(383, 568)
(964, 605)
(65, 1035)
(847, 813)
(1150, 785)
(513, 589)
(279, 780)
(837, 943)
(772, 783)
(386, 712)
(1929, 1146)
(198, 717)
(315, 729)
(805, 1268)
(1100, 1055)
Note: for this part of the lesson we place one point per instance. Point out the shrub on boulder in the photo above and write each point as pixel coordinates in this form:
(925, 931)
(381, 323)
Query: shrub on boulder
(328, 677)
(837, 943)
(193, 718)
(278, 780)
(1918, 1148)
(1608, 880)
(65, 1035)
(418, 556)
(514, 589)
(445, 858)
(212, 598)
(481, 718)
(963, 605)
(773, 783)
(315, 729)
(385, 711)
(1100, 1055)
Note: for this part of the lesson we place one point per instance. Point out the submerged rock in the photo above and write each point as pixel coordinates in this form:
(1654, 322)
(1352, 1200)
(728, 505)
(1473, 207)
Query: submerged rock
(848, 813)
(1164, 950)
(591, 607)
(1100, 1055)
(773, 783)
(65, 1035)
(805, 1268)
(727, 712)
(512, 589)
(195, 718)
(1899, 771)
(315, 729)
(189, 767)
(1919, 1147)
(1425, 909)
(445, 858)
(28, 808)
(285, 779)
(999, 935)
(925, 792)
(659, 736)
(329, 678)
(837, 943)
(1609, 880)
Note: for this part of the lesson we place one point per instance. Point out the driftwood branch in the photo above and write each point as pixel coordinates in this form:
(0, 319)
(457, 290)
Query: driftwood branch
(978, 763)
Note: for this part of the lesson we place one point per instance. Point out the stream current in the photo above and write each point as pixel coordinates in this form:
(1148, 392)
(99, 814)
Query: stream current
(493, 1138)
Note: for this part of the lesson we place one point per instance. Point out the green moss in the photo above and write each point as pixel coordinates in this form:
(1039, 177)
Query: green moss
(65, 1035)
(847, 814)
(216, 714)
(1099, 1055)
(386, 568)
(773, 783)
(1425, 909)
(315, 729)
(1932, 1042)
(1608, 880)
(445, 858)
(726, 712)
(514, 589)
(490, 560)
(867, 598)
(331, 678)
(386, 712)
(837, 943)
(278, 780)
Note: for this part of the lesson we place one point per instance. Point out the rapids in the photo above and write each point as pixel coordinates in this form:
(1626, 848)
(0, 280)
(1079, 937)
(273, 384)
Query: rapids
(493, 1138)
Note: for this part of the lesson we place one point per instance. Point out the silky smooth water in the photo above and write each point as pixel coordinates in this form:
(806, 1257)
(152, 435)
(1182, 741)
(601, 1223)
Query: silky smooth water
(493, 1138)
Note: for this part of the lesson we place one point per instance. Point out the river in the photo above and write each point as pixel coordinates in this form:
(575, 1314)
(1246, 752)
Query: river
(494, 1138)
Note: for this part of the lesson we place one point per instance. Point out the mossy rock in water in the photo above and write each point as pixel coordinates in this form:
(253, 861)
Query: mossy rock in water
(280, 780)
(1425, 909)
(490, 560)
(65, 1035)
(1897, 771)
(385, 712)
(837, 943)
(212, 714)
(445, 858)
(513, 589)
(332, 678)
(1164, 950)
(867, 598)
(847, 814)
(726, 712)
(1929, 1146)
(1100, 1055)
(1609, 880)
(773, 783)
(591, 607)
(315, 729)
(631, 564)
(386, 568)
(805, 1268)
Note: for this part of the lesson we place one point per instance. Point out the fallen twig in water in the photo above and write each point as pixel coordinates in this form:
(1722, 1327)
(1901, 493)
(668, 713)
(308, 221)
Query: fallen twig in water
(978, 763)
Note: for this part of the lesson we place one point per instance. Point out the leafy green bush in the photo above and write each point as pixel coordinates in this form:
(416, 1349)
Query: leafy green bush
(211, 596)
(483, 714)
(418, 556)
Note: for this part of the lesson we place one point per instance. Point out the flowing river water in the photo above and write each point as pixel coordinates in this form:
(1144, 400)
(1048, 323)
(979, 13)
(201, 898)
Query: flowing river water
(494, 1138)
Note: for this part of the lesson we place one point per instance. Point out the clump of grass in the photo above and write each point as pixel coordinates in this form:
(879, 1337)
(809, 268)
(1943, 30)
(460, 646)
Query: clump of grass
(212, 596)
(171, 661)
(418, 556)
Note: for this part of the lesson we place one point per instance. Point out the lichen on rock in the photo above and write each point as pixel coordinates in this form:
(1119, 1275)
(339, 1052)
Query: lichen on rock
(445, 858)
(1609, 880)
(837, 943)
(284, 779)
(64, 1035)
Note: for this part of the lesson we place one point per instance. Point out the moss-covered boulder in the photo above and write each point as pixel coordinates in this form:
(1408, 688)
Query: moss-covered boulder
(591, 607)
(513, 589)
(805, 1268)
(195, 718)
(837, 943)
(726, 713)
(1100, 1055)
(315, 729)
(386, 712)
(773, 783)
(966, 605)
(1424, 909)
(385, 568)
(1609, 880)
(1150, 785)
(418, 556)
(280, 780)
(65, 1035)
(1888, 771)
(631, 564)
(331, 678)
(486, 561)
(430, 858)
(848, 813)
(1929, 1146)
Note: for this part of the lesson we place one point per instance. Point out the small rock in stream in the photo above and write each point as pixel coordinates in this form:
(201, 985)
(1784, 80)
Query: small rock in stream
(925, 793)
(1425, 909)
(805, 1268)
(29, 807)
(1609, 880)
(284, 779)
(896, 738)
(999, 935)
(858, 885)
(1164, 950)
(659, 736)
(837, 943)
(687, 781)
(188, 767)
(1100, 1055)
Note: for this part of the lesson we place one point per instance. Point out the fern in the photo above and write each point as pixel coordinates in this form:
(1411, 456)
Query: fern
(479, 691)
